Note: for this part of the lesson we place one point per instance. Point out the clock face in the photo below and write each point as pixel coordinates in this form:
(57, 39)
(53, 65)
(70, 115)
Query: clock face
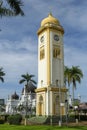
(42, 39)
(56, 37)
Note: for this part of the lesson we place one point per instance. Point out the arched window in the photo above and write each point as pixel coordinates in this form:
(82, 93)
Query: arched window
(41, 98)
(56, 52)
(57, 99)
(42, 53)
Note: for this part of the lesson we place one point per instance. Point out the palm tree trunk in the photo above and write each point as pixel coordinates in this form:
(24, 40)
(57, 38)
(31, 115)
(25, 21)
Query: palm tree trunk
(68, 96)
(72, 95)
(68, 91)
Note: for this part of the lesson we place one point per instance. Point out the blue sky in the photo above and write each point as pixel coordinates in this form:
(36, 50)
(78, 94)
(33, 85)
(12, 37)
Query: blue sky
(18, 41)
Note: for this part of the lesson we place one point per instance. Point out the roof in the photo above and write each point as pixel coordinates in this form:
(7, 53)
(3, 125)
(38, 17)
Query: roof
(15, 96)
(50, 19)
(82, 106)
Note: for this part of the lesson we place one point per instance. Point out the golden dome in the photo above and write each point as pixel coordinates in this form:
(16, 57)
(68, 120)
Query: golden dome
(50, 19)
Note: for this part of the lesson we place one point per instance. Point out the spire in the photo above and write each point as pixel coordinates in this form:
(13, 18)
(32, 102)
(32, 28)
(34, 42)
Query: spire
(24, 90)
(50, 13)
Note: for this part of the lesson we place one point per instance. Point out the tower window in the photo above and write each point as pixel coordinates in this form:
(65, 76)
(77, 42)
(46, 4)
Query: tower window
(42, 53)
(56, 52)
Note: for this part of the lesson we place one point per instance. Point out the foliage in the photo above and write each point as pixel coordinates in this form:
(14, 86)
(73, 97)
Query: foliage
(76, 75)
(2, 73)
(82, 117)
(2, 119)
(67, 76)
(73, 76)
(27, 78)
(13, 8)
(15, 119)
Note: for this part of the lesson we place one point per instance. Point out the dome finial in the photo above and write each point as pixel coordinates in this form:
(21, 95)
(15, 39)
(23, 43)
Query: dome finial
(50, 13)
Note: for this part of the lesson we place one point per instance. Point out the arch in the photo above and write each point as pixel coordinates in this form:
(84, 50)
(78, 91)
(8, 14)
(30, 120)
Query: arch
(40, 98)
(40, 105)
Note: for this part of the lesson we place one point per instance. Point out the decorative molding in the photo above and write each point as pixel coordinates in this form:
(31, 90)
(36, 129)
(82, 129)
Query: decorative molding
(63, 89)
(40, 89)
(58, 28)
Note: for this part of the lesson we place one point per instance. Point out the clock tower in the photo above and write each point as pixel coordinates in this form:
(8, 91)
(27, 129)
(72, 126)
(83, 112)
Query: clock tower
(50, 92)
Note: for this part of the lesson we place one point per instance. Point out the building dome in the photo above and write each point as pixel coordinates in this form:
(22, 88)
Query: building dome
(50, 19)
(15, 96)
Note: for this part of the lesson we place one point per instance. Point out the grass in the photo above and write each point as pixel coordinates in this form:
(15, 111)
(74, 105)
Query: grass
(40, 127)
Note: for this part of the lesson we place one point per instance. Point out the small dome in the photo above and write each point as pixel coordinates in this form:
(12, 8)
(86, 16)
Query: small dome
(50, 19)
(15, 96)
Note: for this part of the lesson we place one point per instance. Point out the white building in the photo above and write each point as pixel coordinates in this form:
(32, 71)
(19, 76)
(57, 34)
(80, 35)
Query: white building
(25, 104)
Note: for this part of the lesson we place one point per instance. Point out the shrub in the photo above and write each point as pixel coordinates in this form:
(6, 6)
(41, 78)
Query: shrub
(82, 117)
(15, 119)
(2, 121)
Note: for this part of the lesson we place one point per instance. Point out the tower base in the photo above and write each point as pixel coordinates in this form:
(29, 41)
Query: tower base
(50, 101)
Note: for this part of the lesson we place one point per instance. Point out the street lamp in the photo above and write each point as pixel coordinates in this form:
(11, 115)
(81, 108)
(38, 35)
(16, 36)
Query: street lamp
(26, 108)
(60, 121)
(66, 107)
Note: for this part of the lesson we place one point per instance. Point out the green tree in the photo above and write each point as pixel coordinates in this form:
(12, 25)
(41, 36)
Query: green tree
(76, 75)
(67, 79)
(27, 78)
(13, 8)
(2, 73)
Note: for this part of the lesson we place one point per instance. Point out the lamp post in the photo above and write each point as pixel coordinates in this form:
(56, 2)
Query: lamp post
(26, 108)
(60, 121)
(66, 106)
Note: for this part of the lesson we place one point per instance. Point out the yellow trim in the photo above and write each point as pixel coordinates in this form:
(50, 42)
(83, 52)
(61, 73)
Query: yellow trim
(48, 57)
(40, 89)
(55, 28)
(63, 89)
(51, 89)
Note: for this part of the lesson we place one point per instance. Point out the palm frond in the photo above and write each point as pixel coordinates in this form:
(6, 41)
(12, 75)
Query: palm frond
(33, 81)
(22, 81)
(27, 78)
(2, 79)
(16, 6)
(6, 12)
(2, 73)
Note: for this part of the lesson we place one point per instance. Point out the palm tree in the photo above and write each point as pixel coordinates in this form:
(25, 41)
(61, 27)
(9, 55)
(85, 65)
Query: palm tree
(2, 73)
(67, 80)
(75, 76)
(27, 79)
(13, 8)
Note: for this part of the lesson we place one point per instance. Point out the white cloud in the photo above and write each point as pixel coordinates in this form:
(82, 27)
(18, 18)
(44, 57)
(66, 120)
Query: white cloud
(76, 17)
(18, 58)
(18, 38)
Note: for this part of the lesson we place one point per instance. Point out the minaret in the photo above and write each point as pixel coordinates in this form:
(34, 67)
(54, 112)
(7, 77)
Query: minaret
(51, 91)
